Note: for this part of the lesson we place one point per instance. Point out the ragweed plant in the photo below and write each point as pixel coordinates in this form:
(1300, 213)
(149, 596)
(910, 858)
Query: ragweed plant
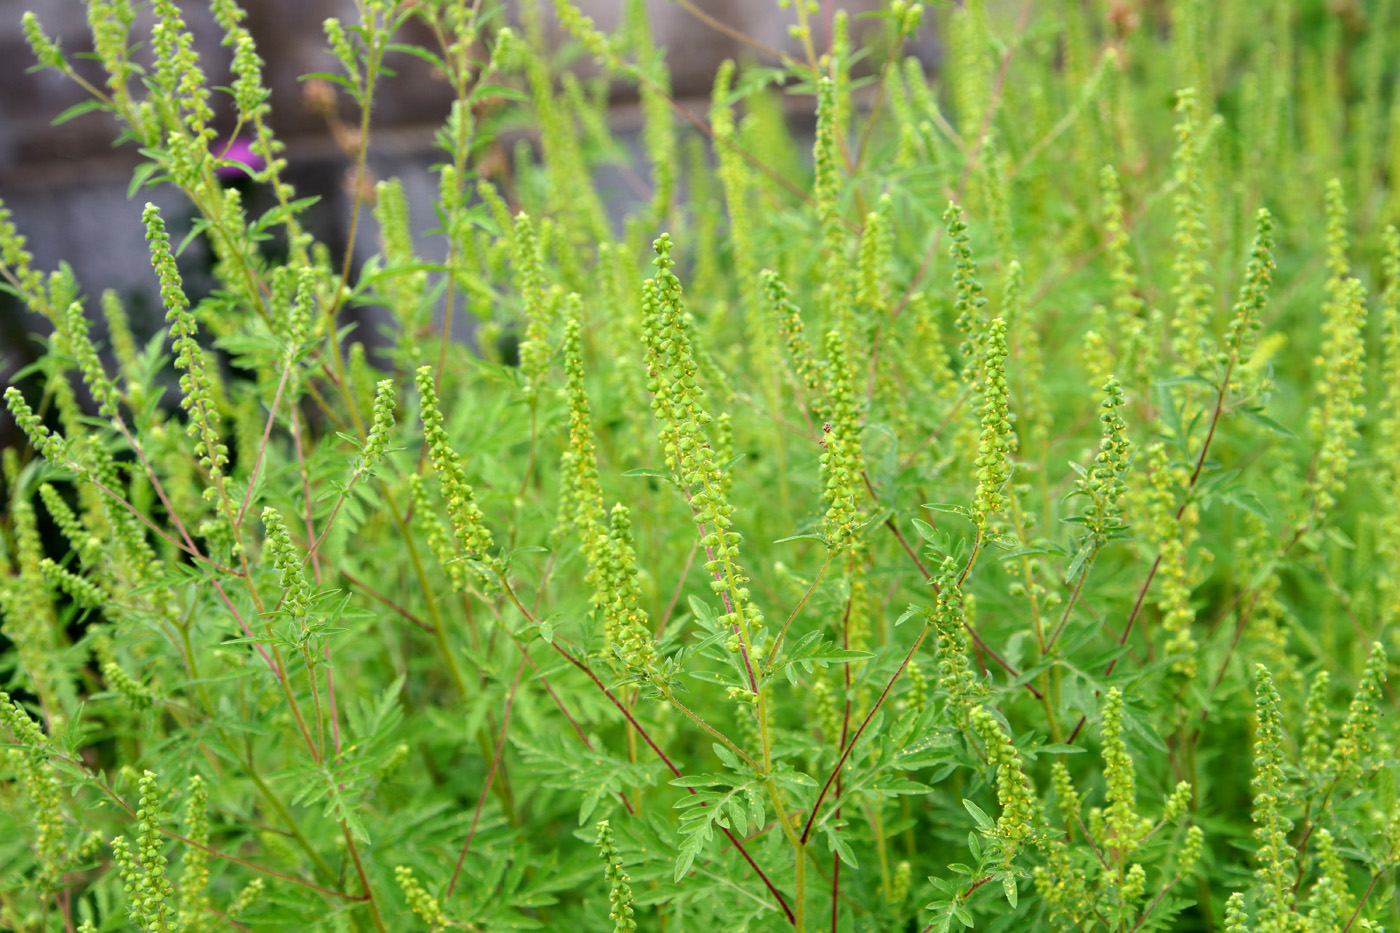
(981, 511)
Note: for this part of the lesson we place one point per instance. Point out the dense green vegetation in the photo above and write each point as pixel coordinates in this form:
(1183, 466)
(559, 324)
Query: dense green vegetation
(991, 520)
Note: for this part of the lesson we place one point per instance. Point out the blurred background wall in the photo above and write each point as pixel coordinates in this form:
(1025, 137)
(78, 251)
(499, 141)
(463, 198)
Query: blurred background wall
(67, 185)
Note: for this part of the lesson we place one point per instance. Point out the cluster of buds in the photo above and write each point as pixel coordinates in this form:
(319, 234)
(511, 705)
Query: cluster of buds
(468, 522)
(149, 892)
(842, 468)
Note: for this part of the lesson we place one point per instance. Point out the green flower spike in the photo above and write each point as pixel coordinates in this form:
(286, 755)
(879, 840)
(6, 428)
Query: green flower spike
(993, 470)
(620, 891)
(842, 468)
(1275, 855)
(194, 863)
(620, 596)
(427, 907)
(1125, 829)
(581, 502)
(1191, 292)
(1356, 741)
(1019, 807)
(970, 300)
(296, 600)
(468, 523)
(189, 356)
(149, 893)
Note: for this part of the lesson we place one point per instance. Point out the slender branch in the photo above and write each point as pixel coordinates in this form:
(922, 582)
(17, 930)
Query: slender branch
(971, 890)
(695, 717)
(651, 743)
(1155, 901)
(962, 398)
(680, 585)
(1366, 896)
(646, 737)
(737, 35)
(247, 632)
(899, 535)
(972, 633)
(227, 919)
(863, 146)
(267, 433)
(368, 897)
(908, 549)
(208, 850)
(380, 598)
(578, 730)
(719, 575)
(778, 640)
(811, 818)
(993, 103)
(121, 426)
(330, 519)
(490, 776)
(1074, 597)
(192, 551)
(1070, 117)
(1186, 501)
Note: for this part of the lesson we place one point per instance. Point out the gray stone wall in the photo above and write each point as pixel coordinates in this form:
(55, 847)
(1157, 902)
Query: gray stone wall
(67, 185)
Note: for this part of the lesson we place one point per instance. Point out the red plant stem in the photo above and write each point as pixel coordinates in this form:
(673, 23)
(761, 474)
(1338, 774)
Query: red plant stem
(315, 560)
(544, 681)
(380, 598)
(544, 582)
(151, 474)
(311, 552)
(646, 737)
(835, 878)
(1366, 896)
(792, 616)
(971, 889)
(724, 595)
(736, 34)
(578, 730)
(229, 920)
(1181, 510)
(1074, 598)
(913, 555)
(773, 174)
(260, 869)
(208, 850)
(247, 632)
(972, 633)
(807, 830)
(262, 448)
(490, 776)
(962, 398)
(1165, 890)
(330, 694)
(680, 585)
(306, 500)
(845, 732)
(1249, 613)
(187, 548)
(863, 146)
(993, 102)
(189, 545)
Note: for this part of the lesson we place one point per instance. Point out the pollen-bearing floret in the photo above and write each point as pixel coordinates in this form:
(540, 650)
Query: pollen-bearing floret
(468, 522)
(993, 470)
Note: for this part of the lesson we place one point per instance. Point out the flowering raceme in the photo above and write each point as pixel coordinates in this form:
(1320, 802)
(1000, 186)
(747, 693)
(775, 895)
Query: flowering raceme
(984, 461)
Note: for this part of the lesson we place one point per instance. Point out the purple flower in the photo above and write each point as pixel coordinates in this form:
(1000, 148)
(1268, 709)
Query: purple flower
(245, 161)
